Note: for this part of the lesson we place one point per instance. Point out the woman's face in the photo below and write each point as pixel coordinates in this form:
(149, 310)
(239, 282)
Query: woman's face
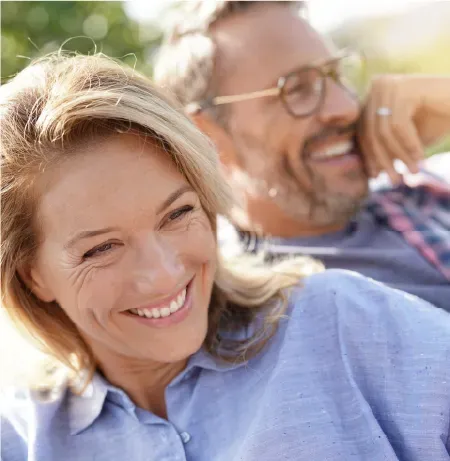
(127, 250)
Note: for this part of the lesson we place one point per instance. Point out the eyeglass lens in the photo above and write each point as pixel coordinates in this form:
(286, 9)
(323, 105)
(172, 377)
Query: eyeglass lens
(303, 91)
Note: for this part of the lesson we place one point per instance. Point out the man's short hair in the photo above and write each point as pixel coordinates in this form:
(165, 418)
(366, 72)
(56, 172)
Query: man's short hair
(187, 61)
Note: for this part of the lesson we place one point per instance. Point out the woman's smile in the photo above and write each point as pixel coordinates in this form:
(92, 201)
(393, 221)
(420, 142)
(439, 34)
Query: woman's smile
(164, 314)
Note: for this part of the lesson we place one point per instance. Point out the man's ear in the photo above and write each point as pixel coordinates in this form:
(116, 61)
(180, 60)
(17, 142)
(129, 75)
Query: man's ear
(35, 282)
(221, 138)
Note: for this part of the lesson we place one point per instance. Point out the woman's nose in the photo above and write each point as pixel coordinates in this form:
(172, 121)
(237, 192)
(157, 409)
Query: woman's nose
(158, 267)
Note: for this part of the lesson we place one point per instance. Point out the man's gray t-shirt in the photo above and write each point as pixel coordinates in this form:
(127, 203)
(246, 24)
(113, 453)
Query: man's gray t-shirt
(374, 250)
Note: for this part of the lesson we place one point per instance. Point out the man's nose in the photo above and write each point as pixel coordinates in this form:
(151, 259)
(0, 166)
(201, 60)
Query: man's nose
(340, 106)
(158, 267)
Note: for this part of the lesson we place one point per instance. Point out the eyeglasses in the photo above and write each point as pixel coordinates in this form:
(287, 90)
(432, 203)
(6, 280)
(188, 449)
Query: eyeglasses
(303, 91)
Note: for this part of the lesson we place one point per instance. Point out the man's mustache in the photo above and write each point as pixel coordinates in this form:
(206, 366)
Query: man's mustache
(326, 133)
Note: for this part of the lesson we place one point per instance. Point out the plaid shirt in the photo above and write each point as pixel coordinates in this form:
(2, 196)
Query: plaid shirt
(420, 211)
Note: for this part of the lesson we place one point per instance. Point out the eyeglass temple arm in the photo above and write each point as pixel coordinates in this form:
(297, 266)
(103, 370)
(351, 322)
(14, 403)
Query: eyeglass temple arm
(219, 100)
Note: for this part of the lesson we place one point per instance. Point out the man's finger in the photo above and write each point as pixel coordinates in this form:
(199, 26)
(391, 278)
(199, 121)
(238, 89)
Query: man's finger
(405, 132)
(379, 132)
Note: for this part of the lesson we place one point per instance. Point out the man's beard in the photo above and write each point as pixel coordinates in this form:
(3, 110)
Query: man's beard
(320, 206)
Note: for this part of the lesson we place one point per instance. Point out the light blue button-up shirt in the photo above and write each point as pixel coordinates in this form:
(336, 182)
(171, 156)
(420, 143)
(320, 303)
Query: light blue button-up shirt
(357, 371)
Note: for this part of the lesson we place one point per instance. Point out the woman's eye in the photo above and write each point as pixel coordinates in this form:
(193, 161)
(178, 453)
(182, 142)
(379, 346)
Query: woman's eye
(177, 214)
(98, 250)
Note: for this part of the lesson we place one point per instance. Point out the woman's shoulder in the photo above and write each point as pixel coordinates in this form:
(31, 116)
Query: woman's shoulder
(344, 289)
(389, 350)
(361, 307)
(388, 342)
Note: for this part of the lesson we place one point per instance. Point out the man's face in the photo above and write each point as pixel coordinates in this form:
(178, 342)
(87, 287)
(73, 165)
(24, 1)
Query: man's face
(296, 163)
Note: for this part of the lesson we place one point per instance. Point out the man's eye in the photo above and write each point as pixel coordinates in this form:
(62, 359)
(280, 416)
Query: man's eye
(300, 88)
(98, 250)
(177, 214)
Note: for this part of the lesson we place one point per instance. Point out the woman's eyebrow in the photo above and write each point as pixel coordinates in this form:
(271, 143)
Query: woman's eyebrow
(87, 234)
(174, 196)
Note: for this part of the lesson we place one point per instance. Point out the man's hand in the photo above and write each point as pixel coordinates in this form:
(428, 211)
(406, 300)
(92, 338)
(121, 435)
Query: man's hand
(415, 112)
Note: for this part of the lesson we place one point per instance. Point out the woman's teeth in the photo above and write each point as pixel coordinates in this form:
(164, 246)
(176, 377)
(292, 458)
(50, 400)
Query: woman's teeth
(157, 312)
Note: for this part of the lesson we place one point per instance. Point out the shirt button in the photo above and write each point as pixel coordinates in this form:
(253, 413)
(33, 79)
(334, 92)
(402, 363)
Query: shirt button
(185, 437)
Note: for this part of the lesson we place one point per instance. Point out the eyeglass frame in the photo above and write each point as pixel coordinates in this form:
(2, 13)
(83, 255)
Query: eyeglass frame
(196, 107)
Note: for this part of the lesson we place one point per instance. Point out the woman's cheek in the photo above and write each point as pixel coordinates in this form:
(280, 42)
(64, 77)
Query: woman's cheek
(199, 240)
(96, 298)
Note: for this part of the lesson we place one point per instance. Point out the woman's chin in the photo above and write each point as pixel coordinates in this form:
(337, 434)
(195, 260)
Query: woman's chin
(173, 351)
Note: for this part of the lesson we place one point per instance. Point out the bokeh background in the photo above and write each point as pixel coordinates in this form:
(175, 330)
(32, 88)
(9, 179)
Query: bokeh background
(400, 36)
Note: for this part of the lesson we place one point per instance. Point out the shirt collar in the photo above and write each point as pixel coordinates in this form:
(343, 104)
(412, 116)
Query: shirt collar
(85, 408)
(203, 359)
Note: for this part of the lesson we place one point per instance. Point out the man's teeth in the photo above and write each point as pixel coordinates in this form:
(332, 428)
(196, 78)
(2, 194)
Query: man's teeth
(165, 311)
(335, 150)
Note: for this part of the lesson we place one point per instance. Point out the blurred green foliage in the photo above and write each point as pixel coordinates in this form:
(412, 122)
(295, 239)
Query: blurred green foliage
(442, 146)
(35, 28)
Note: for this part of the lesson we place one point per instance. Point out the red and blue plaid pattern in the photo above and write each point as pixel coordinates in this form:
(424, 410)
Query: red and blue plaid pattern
(420, 211)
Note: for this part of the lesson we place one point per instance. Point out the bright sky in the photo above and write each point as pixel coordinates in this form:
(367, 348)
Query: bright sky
(324, 14)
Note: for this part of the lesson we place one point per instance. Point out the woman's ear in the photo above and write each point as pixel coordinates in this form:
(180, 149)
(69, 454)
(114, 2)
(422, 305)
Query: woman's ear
(221, 138)
(35, 282)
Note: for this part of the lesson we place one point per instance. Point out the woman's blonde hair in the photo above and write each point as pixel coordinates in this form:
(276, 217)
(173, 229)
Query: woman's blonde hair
(52, 107)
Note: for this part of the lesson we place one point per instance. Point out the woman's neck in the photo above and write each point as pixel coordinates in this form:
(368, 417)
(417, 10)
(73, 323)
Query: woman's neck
(144, 381)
